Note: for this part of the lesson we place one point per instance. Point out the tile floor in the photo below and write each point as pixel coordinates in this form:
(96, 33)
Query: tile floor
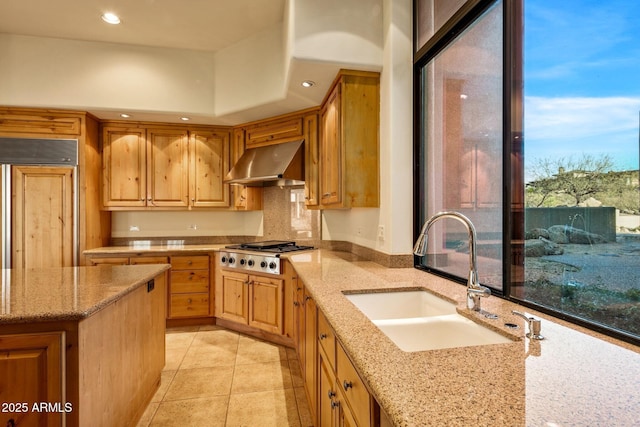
(217, 377)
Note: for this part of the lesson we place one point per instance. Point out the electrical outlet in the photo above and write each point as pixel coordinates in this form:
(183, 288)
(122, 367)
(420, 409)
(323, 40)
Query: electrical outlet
(381, 232)
(134, 228)
(193, 226)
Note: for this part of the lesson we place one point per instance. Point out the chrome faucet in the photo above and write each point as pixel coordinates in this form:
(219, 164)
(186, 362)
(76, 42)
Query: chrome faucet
(474, 290)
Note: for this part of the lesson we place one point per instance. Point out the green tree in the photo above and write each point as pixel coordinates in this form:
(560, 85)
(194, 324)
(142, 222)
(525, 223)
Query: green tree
(579, 178)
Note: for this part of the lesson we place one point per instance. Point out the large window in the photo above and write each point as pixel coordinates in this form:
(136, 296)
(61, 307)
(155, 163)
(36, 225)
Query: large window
(527, 121)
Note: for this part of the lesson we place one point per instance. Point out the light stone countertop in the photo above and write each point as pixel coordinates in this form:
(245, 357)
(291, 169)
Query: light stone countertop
(575, 377)
(141, 248)
(68, 293)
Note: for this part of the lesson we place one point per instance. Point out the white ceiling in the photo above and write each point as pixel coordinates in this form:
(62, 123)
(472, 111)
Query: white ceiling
(201, 25)
(206, 25)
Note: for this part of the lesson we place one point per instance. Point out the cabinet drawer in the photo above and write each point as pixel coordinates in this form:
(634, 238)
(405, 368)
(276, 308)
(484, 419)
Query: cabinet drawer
(190, 262)
(109, 261)
(327, 339)
(274, 131)
(353, 388)
(186, 281)
(189, 305)
(149, 260)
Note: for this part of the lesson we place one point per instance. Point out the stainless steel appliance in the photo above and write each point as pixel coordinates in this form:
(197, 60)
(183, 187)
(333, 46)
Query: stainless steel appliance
(260, 257)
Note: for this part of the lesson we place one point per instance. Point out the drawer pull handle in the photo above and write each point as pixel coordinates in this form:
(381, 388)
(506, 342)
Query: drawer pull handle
(323, 336)
(189, 300)
(347, 385)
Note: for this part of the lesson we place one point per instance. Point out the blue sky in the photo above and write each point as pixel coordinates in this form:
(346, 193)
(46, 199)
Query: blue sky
(582, 79)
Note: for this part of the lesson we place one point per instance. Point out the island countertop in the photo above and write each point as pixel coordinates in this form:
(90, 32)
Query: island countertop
(68, 293)
(574, 377)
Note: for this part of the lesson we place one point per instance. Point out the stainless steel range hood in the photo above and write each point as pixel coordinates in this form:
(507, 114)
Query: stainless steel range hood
(279, 164)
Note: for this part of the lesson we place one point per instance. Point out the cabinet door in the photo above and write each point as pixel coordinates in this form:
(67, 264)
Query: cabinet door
(232, 297)
(244, 198)
(42, 214)
(311, 161)
(331, 150)
(31, 371)
(310, 351)
(265, 303)
(209, 158)
(168, 168)
(124, 176)
(328, 403)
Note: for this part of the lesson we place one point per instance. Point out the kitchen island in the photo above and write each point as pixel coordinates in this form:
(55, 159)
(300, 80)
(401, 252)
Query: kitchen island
(574, 377)
(81, 345)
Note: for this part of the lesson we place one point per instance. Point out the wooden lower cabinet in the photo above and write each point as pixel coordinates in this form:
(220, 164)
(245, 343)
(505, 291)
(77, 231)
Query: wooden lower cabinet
(31, 368)
(189, 294)
(342, 397)
(256, 301)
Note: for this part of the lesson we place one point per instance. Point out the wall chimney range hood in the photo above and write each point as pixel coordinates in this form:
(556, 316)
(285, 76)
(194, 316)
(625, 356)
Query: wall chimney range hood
(278, 164)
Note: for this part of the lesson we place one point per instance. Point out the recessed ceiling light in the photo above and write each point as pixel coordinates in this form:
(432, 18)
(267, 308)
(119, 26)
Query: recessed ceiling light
(308, 83)
(125, 115)
(111, 18)
(185, 119)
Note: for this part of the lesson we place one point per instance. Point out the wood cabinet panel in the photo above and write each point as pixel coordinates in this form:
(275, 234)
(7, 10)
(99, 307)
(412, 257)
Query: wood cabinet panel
(353, 388)
(232, 300)
(349, 146)
(124, 176)
(327, 339)
(244, 198)
(31, 369)
(189, 305)
(189, 281)
(274, 131)
(209, 160)
(136, 260)
(24, 122)
(195, 262)
(168, 167)
(266, 303)
(311, 160)
(42, 217)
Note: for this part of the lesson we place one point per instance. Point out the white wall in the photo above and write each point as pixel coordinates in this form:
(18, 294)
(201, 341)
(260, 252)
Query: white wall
(38, 71)
(362, 226)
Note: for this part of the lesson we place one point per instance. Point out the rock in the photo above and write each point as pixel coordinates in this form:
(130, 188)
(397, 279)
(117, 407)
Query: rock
(591, 203)
(541, 247)
(563, 234)
(535, 233)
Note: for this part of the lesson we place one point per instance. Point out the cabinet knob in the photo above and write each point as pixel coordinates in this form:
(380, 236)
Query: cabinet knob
(307, 298)
(335, 404)
(323, 336)
(296, 303)
(189, 300)
(347, 385)
(331, 394)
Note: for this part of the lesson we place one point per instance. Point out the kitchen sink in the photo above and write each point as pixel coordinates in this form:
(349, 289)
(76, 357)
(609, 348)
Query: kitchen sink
(417, 320)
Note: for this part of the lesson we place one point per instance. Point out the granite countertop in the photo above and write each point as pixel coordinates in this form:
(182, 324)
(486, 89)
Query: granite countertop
(574, 377)
(142, 248)
(68, 293)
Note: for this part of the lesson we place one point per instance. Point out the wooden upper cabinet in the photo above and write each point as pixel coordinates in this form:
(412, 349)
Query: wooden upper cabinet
(274, 131)
(209, 161)
(164, 167)
(168, 168)
(244, 198)
(124, 174)
(311, 160)
(349, 142)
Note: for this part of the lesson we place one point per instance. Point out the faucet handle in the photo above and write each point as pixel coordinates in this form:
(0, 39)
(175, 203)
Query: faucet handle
(534, 325)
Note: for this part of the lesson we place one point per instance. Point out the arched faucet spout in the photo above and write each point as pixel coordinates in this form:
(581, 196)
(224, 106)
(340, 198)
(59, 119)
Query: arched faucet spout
(474, 290)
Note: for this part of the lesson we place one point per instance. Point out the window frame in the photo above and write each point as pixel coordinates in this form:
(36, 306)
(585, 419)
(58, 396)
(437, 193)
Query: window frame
(513, 148)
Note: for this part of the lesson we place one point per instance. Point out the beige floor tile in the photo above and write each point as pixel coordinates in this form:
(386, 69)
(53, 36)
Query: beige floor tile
(208, 356)
(165, 381)
(306, 420)
(204, 382)
(251, 350)
(276, 408)
(219, 338)
(206, 412)
(261, 377)
(296, 373)
(179, 340)
(173, 358)
(146, 418)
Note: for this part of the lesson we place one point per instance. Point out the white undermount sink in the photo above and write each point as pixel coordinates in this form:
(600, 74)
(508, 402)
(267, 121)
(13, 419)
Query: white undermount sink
(417, 320)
